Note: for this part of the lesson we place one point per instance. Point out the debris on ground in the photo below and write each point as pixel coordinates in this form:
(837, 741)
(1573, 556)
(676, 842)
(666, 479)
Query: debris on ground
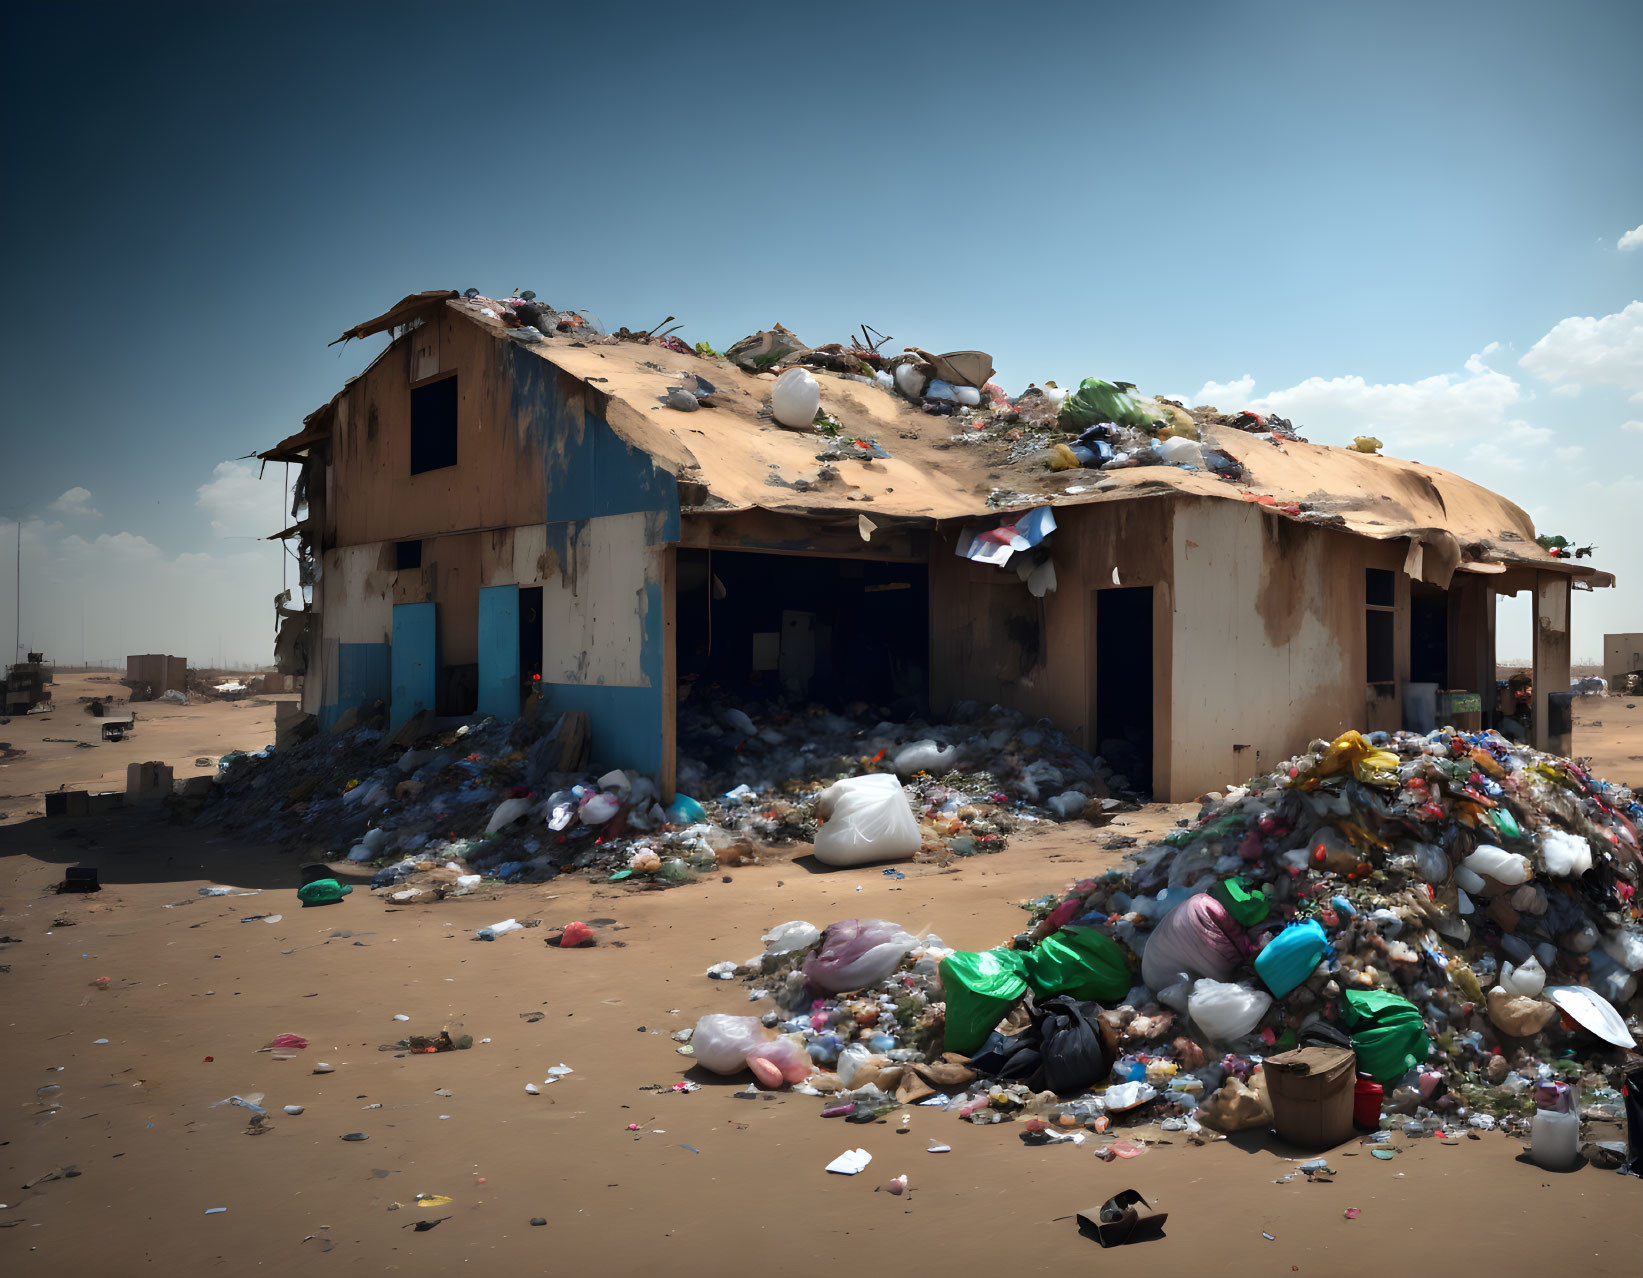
(1426, 934)
(451, 812)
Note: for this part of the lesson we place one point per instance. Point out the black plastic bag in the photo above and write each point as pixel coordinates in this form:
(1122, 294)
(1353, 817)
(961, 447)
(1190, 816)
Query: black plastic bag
(1074, 1056)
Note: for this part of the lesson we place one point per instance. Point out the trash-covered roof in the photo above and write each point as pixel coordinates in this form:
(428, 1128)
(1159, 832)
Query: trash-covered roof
(881, 453)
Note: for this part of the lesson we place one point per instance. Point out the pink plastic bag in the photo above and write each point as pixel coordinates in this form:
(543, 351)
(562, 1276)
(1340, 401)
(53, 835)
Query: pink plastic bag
(779, 1061)
(294, 1042)
(1198, 938)
(856, 953)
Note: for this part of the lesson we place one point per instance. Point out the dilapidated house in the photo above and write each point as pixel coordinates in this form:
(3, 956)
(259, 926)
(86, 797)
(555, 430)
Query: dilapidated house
(489, 509)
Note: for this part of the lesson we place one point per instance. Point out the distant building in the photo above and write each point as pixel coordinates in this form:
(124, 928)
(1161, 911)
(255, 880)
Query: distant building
(483, 505)
(1622, 654)
(154, 674)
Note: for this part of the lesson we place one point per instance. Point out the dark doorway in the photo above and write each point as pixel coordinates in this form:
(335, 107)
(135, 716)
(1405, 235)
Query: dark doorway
(1428, 634)
(1123, 681)
(530, 636)
(804, 628)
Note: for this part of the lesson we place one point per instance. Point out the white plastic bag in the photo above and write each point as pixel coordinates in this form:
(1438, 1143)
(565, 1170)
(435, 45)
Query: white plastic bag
(795, 398)
(866, 819)
(721, 1042)
(856, 953)
(1503, 867)
(1176, 451)
(1625, 947)
(596, 809)
(507, 812)
(1565, 855)
(797, 935)
(925, 756)
(1226, 1012)
(1528, 978)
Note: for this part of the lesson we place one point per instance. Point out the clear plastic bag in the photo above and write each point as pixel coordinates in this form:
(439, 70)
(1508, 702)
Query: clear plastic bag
(722, 1042)
(866, 819)
(1226, 1012)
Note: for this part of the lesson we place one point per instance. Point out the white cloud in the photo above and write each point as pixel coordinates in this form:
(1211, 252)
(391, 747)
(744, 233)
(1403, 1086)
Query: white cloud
(1569, 390)
(1333, 410)
(1475, 364)
(1632, 239)
(1584, 350)
(131, 595)
(76, 501)
(1229, 397)
(1570, 451)
(1635, 427)
(238, 503)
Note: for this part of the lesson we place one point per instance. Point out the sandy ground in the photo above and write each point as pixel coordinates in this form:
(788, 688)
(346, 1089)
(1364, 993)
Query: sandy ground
(64, 748)
(707, 1183)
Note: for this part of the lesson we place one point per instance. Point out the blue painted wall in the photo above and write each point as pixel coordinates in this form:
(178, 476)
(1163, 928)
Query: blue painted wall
(499, 651)
(414, 661)
(590, 474)
(362, 674)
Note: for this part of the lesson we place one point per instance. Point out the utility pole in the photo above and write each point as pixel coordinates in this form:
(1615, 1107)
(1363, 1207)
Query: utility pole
(17, 647)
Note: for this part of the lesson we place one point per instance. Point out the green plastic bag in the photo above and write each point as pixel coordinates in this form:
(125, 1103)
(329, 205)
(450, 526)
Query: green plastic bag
(323, 892)
(981, 988)
(1082, 962)
(1247, 905)
(1387, 1033)
(1098, 401)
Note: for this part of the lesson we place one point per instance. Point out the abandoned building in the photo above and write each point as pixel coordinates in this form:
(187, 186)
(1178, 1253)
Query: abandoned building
(485, 511)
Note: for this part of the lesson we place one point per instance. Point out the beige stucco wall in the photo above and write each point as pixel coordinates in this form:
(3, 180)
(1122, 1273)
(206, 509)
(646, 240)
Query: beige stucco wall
(1622, 653)
(1269, 641)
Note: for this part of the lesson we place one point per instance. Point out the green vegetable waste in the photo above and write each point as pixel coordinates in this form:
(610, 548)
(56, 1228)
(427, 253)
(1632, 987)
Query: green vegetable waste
(1098, 401)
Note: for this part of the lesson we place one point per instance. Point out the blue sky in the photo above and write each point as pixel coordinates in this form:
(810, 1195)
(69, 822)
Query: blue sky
(1406, 219)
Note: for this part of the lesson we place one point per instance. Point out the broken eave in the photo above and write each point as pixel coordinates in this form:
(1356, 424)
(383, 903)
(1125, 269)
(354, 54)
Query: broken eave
(402, 312)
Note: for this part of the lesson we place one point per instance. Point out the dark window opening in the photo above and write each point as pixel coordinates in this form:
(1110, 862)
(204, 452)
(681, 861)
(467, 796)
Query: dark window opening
(407, 554)
(1123, 681)
(1428, 634)
(530, 636)
(1380, 587)
(787, 627)
(1379, 632)
(433, 426)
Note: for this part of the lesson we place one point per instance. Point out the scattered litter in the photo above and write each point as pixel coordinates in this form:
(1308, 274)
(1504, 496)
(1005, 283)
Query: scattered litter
(850, 1162)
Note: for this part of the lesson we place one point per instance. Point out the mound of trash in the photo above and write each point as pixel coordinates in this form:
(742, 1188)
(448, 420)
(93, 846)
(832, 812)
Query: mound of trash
(1424, 931)
(489, 800)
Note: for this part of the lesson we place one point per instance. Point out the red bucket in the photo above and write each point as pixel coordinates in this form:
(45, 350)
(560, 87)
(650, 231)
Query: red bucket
(1366, 1105)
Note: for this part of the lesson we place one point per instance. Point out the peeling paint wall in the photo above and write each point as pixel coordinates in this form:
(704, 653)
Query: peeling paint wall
(1269, 640)
(607, 594)
(496, 481)
(355, 602)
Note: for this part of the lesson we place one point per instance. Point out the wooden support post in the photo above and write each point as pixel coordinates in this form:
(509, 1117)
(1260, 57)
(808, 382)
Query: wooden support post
(1551, 657)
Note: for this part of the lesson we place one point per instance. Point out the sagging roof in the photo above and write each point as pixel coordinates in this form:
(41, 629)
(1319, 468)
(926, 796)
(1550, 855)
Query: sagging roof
(734, 456)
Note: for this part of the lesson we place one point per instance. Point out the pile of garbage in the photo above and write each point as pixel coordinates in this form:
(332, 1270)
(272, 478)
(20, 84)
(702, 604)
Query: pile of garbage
(1098, 426)
(1453, 916)
(485, 801)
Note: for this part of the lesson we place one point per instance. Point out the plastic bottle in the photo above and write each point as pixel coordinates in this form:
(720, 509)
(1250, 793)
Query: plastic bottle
(1554, 1141)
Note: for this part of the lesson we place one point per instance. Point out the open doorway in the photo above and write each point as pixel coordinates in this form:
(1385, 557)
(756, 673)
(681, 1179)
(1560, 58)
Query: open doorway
(1124, 681)
(1428, 634)
(804, 628)
(530, 637)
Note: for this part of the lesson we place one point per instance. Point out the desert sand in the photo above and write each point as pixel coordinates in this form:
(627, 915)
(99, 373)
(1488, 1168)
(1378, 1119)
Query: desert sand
(629, 1175)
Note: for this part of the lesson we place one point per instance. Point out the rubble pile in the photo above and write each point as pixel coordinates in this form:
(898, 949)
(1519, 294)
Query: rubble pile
(1457, 914)
(440, 812)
